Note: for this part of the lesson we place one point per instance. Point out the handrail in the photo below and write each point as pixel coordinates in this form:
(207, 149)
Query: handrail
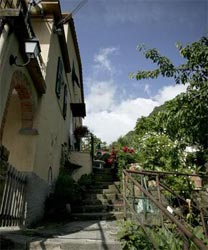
(180, 226)
(201, 210)
(162, 173)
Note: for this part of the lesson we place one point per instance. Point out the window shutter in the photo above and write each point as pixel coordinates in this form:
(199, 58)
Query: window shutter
(59, 78)
(65, 102)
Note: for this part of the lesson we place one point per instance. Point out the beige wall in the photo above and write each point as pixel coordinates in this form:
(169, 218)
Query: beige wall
(38, 152)
(53, 129)
(21, 147)
(8, 45)
(83, 159)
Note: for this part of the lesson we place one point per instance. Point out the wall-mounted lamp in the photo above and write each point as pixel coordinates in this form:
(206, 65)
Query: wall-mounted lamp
(32, 49)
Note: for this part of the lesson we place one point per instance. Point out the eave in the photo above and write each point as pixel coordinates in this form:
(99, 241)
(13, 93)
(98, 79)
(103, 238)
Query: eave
(52, 8)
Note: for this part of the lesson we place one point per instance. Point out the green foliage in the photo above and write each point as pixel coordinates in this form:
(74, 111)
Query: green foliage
(195, 70)
(66, 189)
(198, 232)
(85, 181)
(124, 158)
(184, 118)
(128, 140)
(166, 239)
(158, 152)
(132, 237)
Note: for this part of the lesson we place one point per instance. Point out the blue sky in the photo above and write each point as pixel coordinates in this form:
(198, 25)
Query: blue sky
(108, 33)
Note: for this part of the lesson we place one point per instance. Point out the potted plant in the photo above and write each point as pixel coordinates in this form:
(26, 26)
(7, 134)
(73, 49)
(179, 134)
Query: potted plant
(81, 131)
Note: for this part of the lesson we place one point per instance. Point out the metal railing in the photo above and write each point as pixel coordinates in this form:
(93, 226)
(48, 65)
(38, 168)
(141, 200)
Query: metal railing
(146, 200)
(12, 193)
(9, 4)
(12, 210)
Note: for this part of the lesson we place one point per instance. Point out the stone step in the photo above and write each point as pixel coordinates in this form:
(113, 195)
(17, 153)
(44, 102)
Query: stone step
(102, 170)
(98, 202)
(110, 189)
(106, 184)
(98, 216)
(75, 244)
(101, 178)
(106, 196)
(100, 208)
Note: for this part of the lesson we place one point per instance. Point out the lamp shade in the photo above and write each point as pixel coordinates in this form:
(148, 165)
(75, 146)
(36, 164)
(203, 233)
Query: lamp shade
(32, 48)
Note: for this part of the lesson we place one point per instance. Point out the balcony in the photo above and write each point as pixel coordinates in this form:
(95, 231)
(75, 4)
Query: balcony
(78, 109)
(11, 8)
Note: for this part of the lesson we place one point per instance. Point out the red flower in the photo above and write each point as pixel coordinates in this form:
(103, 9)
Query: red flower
(131, 151)
(110, 160)
(125, 149)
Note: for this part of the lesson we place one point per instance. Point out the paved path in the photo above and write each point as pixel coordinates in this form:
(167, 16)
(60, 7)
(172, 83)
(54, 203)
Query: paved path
(79, 235)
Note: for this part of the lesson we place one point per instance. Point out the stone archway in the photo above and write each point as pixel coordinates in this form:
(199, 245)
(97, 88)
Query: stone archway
(23, 88)
(18, 122)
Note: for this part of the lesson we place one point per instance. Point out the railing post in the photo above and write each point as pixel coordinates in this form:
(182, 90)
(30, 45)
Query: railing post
(159, 196)
(12, 193)
(4, 166)
(124, 195)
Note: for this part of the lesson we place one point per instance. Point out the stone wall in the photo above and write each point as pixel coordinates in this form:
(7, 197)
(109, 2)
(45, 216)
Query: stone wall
(37, 191)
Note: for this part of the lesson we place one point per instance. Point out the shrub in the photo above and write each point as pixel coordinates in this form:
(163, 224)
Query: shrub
(66, 191)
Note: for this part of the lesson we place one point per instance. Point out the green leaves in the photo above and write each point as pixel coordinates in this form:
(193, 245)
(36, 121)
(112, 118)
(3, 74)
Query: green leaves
(186, 117)
(194, 70)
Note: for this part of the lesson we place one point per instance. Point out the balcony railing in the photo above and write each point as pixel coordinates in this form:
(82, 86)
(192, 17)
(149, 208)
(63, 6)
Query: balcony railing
(12, 7)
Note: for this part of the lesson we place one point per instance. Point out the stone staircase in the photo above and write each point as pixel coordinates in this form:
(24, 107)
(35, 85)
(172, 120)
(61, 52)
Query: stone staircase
(94, 225)
(103, 200)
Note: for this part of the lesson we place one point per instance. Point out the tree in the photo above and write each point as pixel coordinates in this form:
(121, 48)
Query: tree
(187, 115)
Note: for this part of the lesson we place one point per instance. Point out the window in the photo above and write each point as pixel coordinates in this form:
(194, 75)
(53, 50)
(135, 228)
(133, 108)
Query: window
(65, 102)
(59, 77)
(74, 76)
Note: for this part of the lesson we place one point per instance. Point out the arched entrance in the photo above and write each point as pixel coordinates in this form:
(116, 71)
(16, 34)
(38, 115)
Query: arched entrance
(18, 121)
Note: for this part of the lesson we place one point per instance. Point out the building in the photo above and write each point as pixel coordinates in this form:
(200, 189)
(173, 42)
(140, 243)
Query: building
(41, 92)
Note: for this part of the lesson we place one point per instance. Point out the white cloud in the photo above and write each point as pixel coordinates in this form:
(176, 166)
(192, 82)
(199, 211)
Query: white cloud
(101, 96)
(169, 92)
(102, 61)
(118, 120)
(109, 119)
(147, 89)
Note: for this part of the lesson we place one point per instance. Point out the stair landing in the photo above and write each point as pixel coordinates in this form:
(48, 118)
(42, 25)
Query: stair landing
(83, 235)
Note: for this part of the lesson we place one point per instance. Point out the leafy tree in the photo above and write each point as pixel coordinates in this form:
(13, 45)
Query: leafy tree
(194, 71)
(159, 152)
(126, 140)
(187, 116)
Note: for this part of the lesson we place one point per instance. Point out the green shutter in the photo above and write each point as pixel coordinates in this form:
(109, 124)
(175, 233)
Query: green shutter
(65, 102)
(59, 77)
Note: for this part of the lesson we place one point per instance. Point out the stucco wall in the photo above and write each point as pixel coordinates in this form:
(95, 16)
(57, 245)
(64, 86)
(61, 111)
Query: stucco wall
(4, 67)
(83, 159)
(21, 147)
(38, 152)
(52, 127)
